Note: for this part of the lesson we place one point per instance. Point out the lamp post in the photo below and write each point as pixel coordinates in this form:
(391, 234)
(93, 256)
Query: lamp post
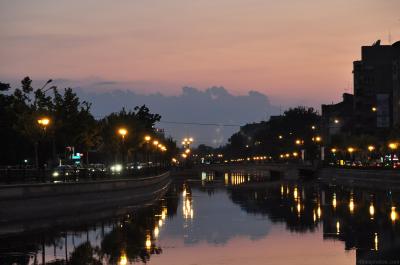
(393, 147)
(147, 139)
(351, 151)
(186, 146)
(43, 123)
(318, 140)
(155, 157)
(123, 132)
(333, 151)
(371, 149)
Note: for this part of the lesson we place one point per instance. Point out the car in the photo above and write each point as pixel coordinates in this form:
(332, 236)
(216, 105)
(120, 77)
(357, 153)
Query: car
(64, 173)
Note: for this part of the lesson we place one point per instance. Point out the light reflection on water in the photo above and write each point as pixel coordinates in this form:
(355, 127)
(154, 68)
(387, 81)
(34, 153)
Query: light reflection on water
(232, 218)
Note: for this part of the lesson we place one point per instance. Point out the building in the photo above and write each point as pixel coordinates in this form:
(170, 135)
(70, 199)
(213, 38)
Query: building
(337, 118)
(377, 89)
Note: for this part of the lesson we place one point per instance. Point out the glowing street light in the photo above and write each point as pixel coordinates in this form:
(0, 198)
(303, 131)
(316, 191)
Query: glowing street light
(336, 121)
(187, 141)
(317, 139)
(299, 142)
(350, 150)
(333, 150)
(371, 148)
(123, 132)
(393, 146)
(147, 138)
(44, 122)
(374, 109)
(155, 143)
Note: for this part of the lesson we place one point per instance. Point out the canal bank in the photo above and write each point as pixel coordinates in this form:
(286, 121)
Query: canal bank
(368, 178)
(53, 202)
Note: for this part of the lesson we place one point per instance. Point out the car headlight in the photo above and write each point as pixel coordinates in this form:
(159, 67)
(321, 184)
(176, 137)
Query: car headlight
(56, 174)
(118, 168)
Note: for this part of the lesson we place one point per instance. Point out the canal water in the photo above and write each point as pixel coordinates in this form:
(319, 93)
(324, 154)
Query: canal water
(234, 218)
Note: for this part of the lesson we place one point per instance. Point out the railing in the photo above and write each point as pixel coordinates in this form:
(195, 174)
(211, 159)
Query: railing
(31, 175)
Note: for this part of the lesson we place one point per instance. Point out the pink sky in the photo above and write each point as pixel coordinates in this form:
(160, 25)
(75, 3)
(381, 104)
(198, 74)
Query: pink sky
(278, 247)
(290, 50)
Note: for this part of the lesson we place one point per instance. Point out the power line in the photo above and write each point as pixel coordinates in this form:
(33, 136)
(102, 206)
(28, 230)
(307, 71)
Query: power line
(201, 124)
(189, 123)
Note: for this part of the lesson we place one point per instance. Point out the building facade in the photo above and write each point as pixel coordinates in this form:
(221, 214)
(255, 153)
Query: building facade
(376, 89)
(337, 118)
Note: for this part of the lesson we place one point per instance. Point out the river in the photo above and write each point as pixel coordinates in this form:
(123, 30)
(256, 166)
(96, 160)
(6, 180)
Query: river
(232, 219)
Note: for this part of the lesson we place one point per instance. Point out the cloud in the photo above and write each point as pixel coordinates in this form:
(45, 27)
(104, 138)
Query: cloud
(210, 116)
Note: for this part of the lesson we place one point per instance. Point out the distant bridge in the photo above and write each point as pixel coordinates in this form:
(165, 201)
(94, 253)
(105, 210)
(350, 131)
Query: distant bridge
(288, 171)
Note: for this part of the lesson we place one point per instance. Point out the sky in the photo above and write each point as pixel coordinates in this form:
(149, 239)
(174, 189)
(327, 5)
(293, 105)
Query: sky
(294, 52)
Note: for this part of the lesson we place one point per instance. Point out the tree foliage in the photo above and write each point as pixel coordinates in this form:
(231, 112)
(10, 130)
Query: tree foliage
(276, 136)
(71, 124)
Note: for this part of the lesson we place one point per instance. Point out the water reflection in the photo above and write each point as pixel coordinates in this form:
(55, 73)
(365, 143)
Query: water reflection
(218, 209)
(125, 239)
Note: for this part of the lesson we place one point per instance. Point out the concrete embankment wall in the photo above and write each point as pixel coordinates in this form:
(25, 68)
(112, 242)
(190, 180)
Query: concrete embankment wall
(368, 178)
(22, 203)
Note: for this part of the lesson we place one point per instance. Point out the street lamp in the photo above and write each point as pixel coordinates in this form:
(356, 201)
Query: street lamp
(147, 139)
(44, 122)
(187, 141)
(371, 148)
(123, 132)
(299, 142)
(393, 146)
(350, 150)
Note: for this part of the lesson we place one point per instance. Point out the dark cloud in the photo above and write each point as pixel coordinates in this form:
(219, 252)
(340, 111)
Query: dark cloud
(214, 108)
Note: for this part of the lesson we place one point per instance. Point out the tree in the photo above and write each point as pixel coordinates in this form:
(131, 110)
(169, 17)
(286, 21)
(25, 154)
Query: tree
(138, 123)
(276, 136)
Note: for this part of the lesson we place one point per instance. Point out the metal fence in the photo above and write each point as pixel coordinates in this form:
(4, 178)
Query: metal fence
(32, 175)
